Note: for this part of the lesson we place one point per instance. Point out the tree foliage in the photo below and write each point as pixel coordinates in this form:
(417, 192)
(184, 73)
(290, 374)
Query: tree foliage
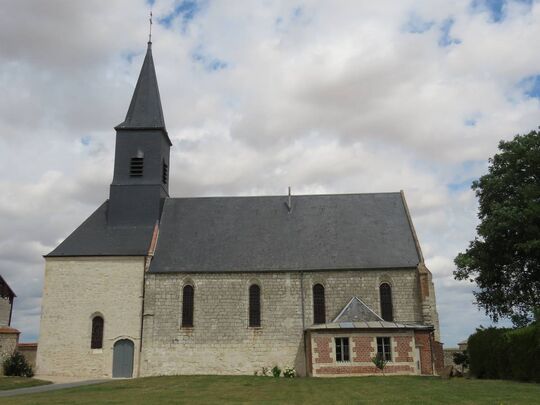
(504, 258)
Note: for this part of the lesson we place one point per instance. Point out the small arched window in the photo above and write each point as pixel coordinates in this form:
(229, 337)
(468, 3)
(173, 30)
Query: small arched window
(187, 306)
(97, 333)
(385, 292)
(319, 309)
(254, 305)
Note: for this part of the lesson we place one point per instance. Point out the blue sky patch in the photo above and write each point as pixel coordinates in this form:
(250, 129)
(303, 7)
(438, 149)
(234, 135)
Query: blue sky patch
(417, 25)
(186, 11)
(86, 140)
(446, 39)
(531, 86)
(495, 8)
(210, 63)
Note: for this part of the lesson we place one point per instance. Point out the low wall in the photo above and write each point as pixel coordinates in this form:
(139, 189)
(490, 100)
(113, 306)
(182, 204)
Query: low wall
(28, 350)
(9, 337)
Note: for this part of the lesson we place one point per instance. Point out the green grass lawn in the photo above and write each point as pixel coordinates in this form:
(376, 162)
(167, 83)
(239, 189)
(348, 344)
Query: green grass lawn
(267, 390)
(10, 383)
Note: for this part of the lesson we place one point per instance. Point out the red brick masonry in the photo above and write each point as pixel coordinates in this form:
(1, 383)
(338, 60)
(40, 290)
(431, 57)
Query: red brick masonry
(403, 349)
(362, 349)
(323, 348)
(363, 369)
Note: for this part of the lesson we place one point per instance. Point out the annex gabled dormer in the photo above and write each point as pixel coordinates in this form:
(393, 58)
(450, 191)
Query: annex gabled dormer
(141, 164)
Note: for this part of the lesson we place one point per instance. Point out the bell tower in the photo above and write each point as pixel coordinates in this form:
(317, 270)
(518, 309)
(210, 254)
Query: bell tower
(141, 163)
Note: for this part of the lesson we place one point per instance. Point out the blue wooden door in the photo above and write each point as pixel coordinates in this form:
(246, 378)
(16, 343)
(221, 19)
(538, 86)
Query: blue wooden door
(123, 359)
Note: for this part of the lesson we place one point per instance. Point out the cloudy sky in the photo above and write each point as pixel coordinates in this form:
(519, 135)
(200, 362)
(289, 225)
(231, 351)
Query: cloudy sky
(326, 96)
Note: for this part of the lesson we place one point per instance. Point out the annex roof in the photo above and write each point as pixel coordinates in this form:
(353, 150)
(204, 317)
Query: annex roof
(356, 311)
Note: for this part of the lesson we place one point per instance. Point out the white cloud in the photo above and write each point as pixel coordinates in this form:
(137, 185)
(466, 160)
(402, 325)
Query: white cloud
(322, 96)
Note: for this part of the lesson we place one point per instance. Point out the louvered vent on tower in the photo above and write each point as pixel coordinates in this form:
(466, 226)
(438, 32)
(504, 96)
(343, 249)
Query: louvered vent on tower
(136, 167)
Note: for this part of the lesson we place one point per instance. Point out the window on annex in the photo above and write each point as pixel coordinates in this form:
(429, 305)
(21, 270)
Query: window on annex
(97, 333)
(385, 292)
(342, 349)
(319, 310)
(187, 306)
(254, 305)
(164, 173)
(383, 348)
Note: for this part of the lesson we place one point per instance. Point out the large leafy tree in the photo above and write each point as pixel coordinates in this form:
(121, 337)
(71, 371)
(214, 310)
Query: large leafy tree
(504, 258)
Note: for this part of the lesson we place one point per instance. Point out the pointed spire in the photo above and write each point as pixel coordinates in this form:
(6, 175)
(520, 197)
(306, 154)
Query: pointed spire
(145, 109)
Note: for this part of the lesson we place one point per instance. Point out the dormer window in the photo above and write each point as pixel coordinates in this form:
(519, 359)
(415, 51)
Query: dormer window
(136, 167)
(165, 173)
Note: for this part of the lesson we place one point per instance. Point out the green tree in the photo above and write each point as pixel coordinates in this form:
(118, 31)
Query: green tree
(504, 258)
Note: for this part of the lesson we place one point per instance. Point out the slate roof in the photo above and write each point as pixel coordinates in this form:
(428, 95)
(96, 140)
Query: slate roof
(239, 234)
(322, 232)
(369, 325)
(95, 238)
(355, 311)
(145, 110)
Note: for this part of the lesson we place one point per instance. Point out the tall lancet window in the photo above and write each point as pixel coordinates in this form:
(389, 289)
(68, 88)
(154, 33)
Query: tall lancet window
(385, 292)
(319, 308)
(187, 306)
(254, 305)
(97, 333)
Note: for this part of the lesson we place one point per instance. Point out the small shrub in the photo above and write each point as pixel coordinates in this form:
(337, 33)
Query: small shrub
(276, 371)
(265, 371)
(461, 359)
(289, 372)
(379, 362)
(17, 366)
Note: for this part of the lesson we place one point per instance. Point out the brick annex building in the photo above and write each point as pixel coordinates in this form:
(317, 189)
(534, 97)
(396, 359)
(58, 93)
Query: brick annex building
(154, 285)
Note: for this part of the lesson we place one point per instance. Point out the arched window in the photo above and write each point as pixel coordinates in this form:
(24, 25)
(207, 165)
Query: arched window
(254, 305)
(97, 333)
(319, 309)
(187, 306)
(385, 292)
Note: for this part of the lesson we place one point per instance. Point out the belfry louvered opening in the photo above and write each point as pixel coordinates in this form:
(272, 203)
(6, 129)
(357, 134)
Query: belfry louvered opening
(136, 167)
(165, 173)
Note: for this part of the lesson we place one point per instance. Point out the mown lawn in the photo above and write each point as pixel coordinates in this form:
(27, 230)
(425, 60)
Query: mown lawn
(11, 383)
(267, 390)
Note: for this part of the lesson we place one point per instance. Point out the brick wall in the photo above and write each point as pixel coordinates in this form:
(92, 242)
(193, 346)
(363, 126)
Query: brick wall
(363, 347)
(423, 342)
(76, 289)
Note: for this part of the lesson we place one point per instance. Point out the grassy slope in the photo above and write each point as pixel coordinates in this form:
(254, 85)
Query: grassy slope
(222, 390)
(11, 383)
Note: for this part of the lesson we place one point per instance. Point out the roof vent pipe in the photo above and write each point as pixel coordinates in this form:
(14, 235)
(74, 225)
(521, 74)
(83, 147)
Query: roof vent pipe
(289, 201)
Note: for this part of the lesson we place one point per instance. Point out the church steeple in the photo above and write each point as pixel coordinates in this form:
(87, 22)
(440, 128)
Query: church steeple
(145, 110)
(141, 163)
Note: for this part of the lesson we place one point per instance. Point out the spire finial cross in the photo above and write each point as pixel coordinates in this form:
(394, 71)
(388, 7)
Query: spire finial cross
(150, 32)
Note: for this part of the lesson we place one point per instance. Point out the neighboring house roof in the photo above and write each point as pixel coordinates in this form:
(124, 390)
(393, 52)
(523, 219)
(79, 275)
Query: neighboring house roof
(94, 237)
(8, 330)
(228, 234)
(356, 311)
(5, 289)
(321, 232)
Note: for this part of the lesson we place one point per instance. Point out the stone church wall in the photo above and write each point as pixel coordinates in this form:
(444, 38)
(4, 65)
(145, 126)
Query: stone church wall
(221, 342)
(75, 290)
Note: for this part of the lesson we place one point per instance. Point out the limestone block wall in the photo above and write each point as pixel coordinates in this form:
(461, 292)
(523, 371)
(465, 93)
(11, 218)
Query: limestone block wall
(29, 351)
(221, 342)
(5, 310)
(9, 337)
(77, 289)
(362, 348)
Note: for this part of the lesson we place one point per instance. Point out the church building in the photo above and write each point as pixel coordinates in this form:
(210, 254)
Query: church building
(155, 285)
